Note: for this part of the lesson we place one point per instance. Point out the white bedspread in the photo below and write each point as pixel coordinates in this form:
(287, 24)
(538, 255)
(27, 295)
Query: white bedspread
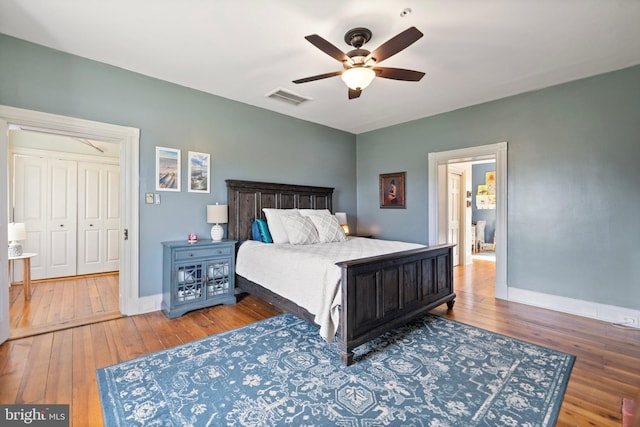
(307, 274)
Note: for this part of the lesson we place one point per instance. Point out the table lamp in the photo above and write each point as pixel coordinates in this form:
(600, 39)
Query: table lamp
(16, 232)
(342, 219)
(217, 214)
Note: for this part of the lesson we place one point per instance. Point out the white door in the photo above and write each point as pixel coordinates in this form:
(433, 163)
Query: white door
(454, 181)
(98, 217)
(62, 218)
(30, 207)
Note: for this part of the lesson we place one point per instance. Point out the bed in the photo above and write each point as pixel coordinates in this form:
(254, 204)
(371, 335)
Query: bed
(377, 293)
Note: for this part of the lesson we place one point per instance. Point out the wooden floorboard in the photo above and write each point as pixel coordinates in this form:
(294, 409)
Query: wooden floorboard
(63, 303)
(59, 367)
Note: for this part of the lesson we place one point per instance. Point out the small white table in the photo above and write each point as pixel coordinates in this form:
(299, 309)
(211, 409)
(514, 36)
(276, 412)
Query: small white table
(26, 272)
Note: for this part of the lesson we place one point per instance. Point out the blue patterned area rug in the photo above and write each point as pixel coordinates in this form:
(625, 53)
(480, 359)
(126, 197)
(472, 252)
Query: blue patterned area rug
(277, 372)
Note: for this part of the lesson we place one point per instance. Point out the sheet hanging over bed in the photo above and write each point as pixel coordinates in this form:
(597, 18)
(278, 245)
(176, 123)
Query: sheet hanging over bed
(308, 274)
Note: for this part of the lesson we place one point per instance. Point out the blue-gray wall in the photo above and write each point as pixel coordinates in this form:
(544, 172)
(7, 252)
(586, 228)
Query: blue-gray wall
(573, 183)
(245, 142)
(478, 177)
(573, 173)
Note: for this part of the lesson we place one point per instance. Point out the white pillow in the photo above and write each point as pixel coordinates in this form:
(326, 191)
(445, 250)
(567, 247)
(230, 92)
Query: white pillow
(329, 229)
(307, 212)
(300, 229)
(276, 228)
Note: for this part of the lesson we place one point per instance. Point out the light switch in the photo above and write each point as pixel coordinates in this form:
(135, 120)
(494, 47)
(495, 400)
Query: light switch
(157, 199)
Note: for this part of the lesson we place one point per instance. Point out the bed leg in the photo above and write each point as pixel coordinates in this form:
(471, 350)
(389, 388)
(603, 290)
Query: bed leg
(347, 357)
(450, 304)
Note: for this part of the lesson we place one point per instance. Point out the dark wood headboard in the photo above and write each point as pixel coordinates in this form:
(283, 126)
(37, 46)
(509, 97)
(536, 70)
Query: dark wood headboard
(247, 198)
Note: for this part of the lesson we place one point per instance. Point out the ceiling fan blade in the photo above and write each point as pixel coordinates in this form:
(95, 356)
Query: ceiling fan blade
(319, 77)
(395, 44)
(327, 47)
(398, 74)
(354, 93)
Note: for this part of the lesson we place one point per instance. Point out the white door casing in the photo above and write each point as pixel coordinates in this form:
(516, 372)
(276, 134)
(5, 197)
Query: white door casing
(4, 276)
(499, 153)
(453, 201)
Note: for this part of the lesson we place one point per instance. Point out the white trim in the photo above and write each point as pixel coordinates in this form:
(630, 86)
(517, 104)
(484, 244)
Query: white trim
(149, 303)
(499, 152)
(593, 310)
(4, 277)
(129, 140)
(36, 152)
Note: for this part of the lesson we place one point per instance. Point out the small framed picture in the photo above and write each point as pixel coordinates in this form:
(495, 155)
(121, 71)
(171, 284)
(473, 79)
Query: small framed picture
(167, 169)
(393, 190)
(199, 170)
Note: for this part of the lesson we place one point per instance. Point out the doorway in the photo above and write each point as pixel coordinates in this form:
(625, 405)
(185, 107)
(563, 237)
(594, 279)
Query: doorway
(128, 142)
(65, 190)
(438, 207)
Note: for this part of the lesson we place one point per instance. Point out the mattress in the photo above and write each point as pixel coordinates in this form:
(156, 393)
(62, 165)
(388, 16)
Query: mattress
(308, 274)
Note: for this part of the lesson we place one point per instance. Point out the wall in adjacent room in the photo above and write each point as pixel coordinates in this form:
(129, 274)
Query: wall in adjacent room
(488, 215)
(244, 142)
(573, 176)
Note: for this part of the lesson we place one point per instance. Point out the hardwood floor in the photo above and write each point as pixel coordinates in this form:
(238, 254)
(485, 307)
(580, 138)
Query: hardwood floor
(63, 303)
(59, 367)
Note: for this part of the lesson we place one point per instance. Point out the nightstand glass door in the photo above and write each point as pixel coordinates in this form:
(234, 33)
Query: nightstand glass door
(190, 283)
(217, 278)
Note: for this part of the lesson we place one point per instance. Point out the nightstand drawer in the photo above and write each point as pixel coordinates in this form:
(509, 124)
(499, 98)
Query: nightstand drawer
(202, 253)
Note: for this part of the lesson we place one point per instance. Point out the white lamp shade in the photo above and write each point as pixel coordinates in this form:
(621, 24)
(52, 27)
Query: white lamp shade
(358, 77)
(16, 231)
(342, 219)
(217, 214)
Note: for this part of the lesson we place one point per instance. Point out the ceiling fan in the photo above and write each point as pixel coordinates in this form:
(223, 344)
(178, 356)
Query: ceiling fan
(359, 64)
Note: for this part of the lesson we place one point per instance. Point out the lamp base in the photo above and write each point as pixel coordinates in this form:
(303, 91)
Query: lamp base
(217, 233)
(15, 249)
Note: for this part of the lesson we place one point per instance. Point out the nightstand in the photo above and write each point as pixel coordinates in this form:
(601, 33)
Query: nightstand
(197, 275)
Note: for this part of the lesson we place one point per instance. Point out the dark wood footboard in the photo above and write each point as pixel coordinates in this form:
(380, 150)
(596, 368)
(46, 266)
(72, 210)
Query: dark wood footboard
(379, 293)
(384, 292)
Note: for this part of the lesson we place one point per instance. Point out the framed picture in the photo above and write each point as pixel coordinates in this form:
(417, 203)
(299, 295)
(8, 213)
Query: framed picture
(167, 169)
(199, 169)
(392, 190)
(490, 177)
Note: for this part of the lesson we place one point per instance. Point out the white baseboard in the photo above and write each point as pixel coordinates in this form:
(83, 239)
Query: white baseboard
(593, 310)
(146, 304)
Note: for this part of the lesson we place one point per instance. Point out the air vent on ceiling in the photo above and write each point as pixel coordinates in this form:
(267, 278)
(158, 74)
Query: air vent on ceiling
(287, 96)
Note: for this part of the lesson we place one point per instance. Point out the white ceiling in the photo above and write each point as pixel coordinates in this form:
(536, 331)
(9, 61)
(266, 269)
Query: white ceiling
(472, 51)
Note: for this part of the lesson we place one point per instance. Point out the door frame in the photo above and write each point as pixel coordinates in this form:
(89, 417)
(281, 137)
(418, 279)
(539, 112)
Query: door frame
(129, 140)
(438, 162)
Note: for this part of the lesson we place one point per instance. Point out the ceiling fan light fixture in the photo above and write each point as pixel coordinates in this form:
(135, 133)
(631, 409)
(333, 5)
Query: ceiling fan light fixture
(358, 77)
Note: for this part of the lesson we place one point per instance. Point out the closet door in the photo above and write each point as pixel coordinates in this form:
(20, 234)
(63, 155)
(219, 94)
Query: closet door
(62, 217)
(98, 217)
(30, 207)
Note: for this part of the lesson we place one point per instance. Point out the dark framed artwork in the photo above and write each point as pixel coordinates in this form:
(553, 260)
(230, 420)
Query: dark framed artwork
(393, 190)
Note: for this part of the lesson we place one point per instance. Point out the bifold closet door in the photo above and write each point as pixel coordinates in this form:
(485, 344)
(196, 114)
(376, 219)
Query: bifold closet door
(30, 207)
(98, 217)
(62, 218)
(45, 197)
